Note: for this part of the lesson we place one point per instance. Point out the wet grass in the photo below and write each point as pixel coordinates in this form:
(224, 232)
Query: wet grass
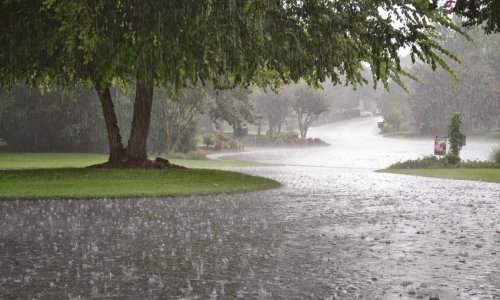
(80, 160)
(49, 160)
(103, 183)
(399, 134)
(476, 174)
(62, 176)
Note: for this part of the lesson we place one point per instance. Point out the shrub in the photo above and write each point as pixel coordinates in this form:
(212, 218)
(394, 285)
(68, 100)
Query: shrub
(280, 140)
(449, 161)
(185, 140)
(452, 158)
(395, 117)
(473, 164)
(235, 144)
(495, 155)
(427, 162)
(455, 132)
(220, 145)
(208, 140)
(222, 137)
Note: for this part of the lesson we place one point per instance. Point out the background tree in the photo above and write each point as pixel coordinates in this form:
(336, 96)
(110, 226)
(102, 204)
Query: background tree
(395, 117)
(430, 101)
(231, 106)
(180, 114)
(455, 133)
(307, 103)
(158, 43)
(273, 108)
(208, 140)
(346, 101)
(51, 122)
(478, 12)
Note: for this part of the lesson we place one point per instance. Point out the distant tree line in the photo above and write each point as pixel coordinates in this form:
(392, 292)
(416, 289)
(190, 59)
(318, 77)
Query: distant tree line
(71, 122)
(476, 94)
(31, 121)
(59, 122)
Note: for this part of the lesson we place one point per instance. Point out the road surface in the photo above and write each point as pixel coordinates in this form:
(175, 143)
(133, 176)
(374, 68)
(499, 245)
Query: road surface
(334, 230)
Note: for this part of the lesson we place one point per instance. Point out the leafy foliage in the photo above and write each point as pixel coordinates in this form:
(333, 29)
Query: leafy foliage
(216, 40)
(395, 117)
(180, 115)
(186, 139)
(436, 96)
(455, 133)
(452, 158)
(232, 106)
(308, 104)
(51, 122)
(208, 139)
(495, 155)
(230, 43)
(449, 161)
(480, 12)
(273, 108)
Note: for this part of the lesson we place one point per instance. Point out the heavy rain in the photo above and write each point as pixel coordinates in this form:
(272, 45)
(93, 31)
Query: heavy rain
(230, 149)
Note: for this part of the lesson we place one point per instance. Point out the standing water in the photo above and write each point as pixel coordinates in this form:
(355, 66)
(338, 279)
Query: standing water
(357, 144)
(335, 229)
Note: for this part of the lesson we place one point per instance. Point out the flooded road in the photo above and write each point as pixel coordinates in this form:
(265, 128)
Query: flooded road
(357, 144)
(334, 230)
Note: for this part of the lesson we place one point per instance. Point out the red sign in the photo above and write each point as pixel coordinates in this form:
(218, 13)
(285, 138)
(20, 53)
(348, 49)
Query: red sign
(440, 146)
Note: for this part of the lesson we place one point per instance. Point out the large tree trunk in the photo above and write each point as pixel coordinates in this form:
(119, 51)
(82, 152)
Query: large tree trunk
(137, 144)
(116, 151)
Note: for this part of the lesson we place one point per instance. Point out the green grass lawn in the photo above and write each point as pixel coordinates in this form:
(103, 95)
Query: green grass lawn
(98, 183)
(80, 160)
(399, 134)
(488, 175)
(62, 176)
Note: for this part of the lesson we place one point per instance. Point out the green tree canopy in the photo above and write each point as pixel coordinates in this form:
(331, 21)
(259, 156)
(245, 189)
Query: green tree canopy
(479, 12)
(179, 42)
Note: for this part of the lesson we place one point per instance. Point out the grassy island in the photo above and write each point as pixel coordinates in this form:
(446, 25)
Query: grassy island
(63, 176)
(448, 167)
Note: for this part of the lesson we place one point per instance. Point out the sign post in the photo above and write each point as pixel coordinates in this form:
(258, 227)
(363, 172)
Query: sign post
(440, 145)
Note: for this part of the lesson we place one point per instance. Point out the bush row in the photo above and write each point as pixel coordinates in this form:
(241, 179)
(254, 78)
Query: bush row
(449, 161)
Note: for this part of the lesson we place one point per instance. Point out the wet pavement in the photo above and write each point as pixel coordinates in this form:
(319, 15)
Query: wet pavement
(335, 229)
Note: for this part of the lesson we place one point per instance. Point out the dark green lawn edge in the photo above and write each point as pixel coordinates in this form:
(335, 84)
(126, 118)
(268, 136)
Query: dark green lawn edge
(232, 187)
(17, 160)
(471, 174)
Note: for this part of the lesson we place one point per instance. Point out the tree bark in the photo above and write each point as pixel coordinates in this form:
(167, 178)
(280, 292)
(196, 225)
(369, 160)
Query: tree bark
(301, 124)
(137, 143)
(116, 151)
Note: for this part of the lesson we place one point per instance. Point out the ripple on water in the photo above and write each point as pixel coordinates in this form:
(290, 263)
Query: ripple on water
(331, 231)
